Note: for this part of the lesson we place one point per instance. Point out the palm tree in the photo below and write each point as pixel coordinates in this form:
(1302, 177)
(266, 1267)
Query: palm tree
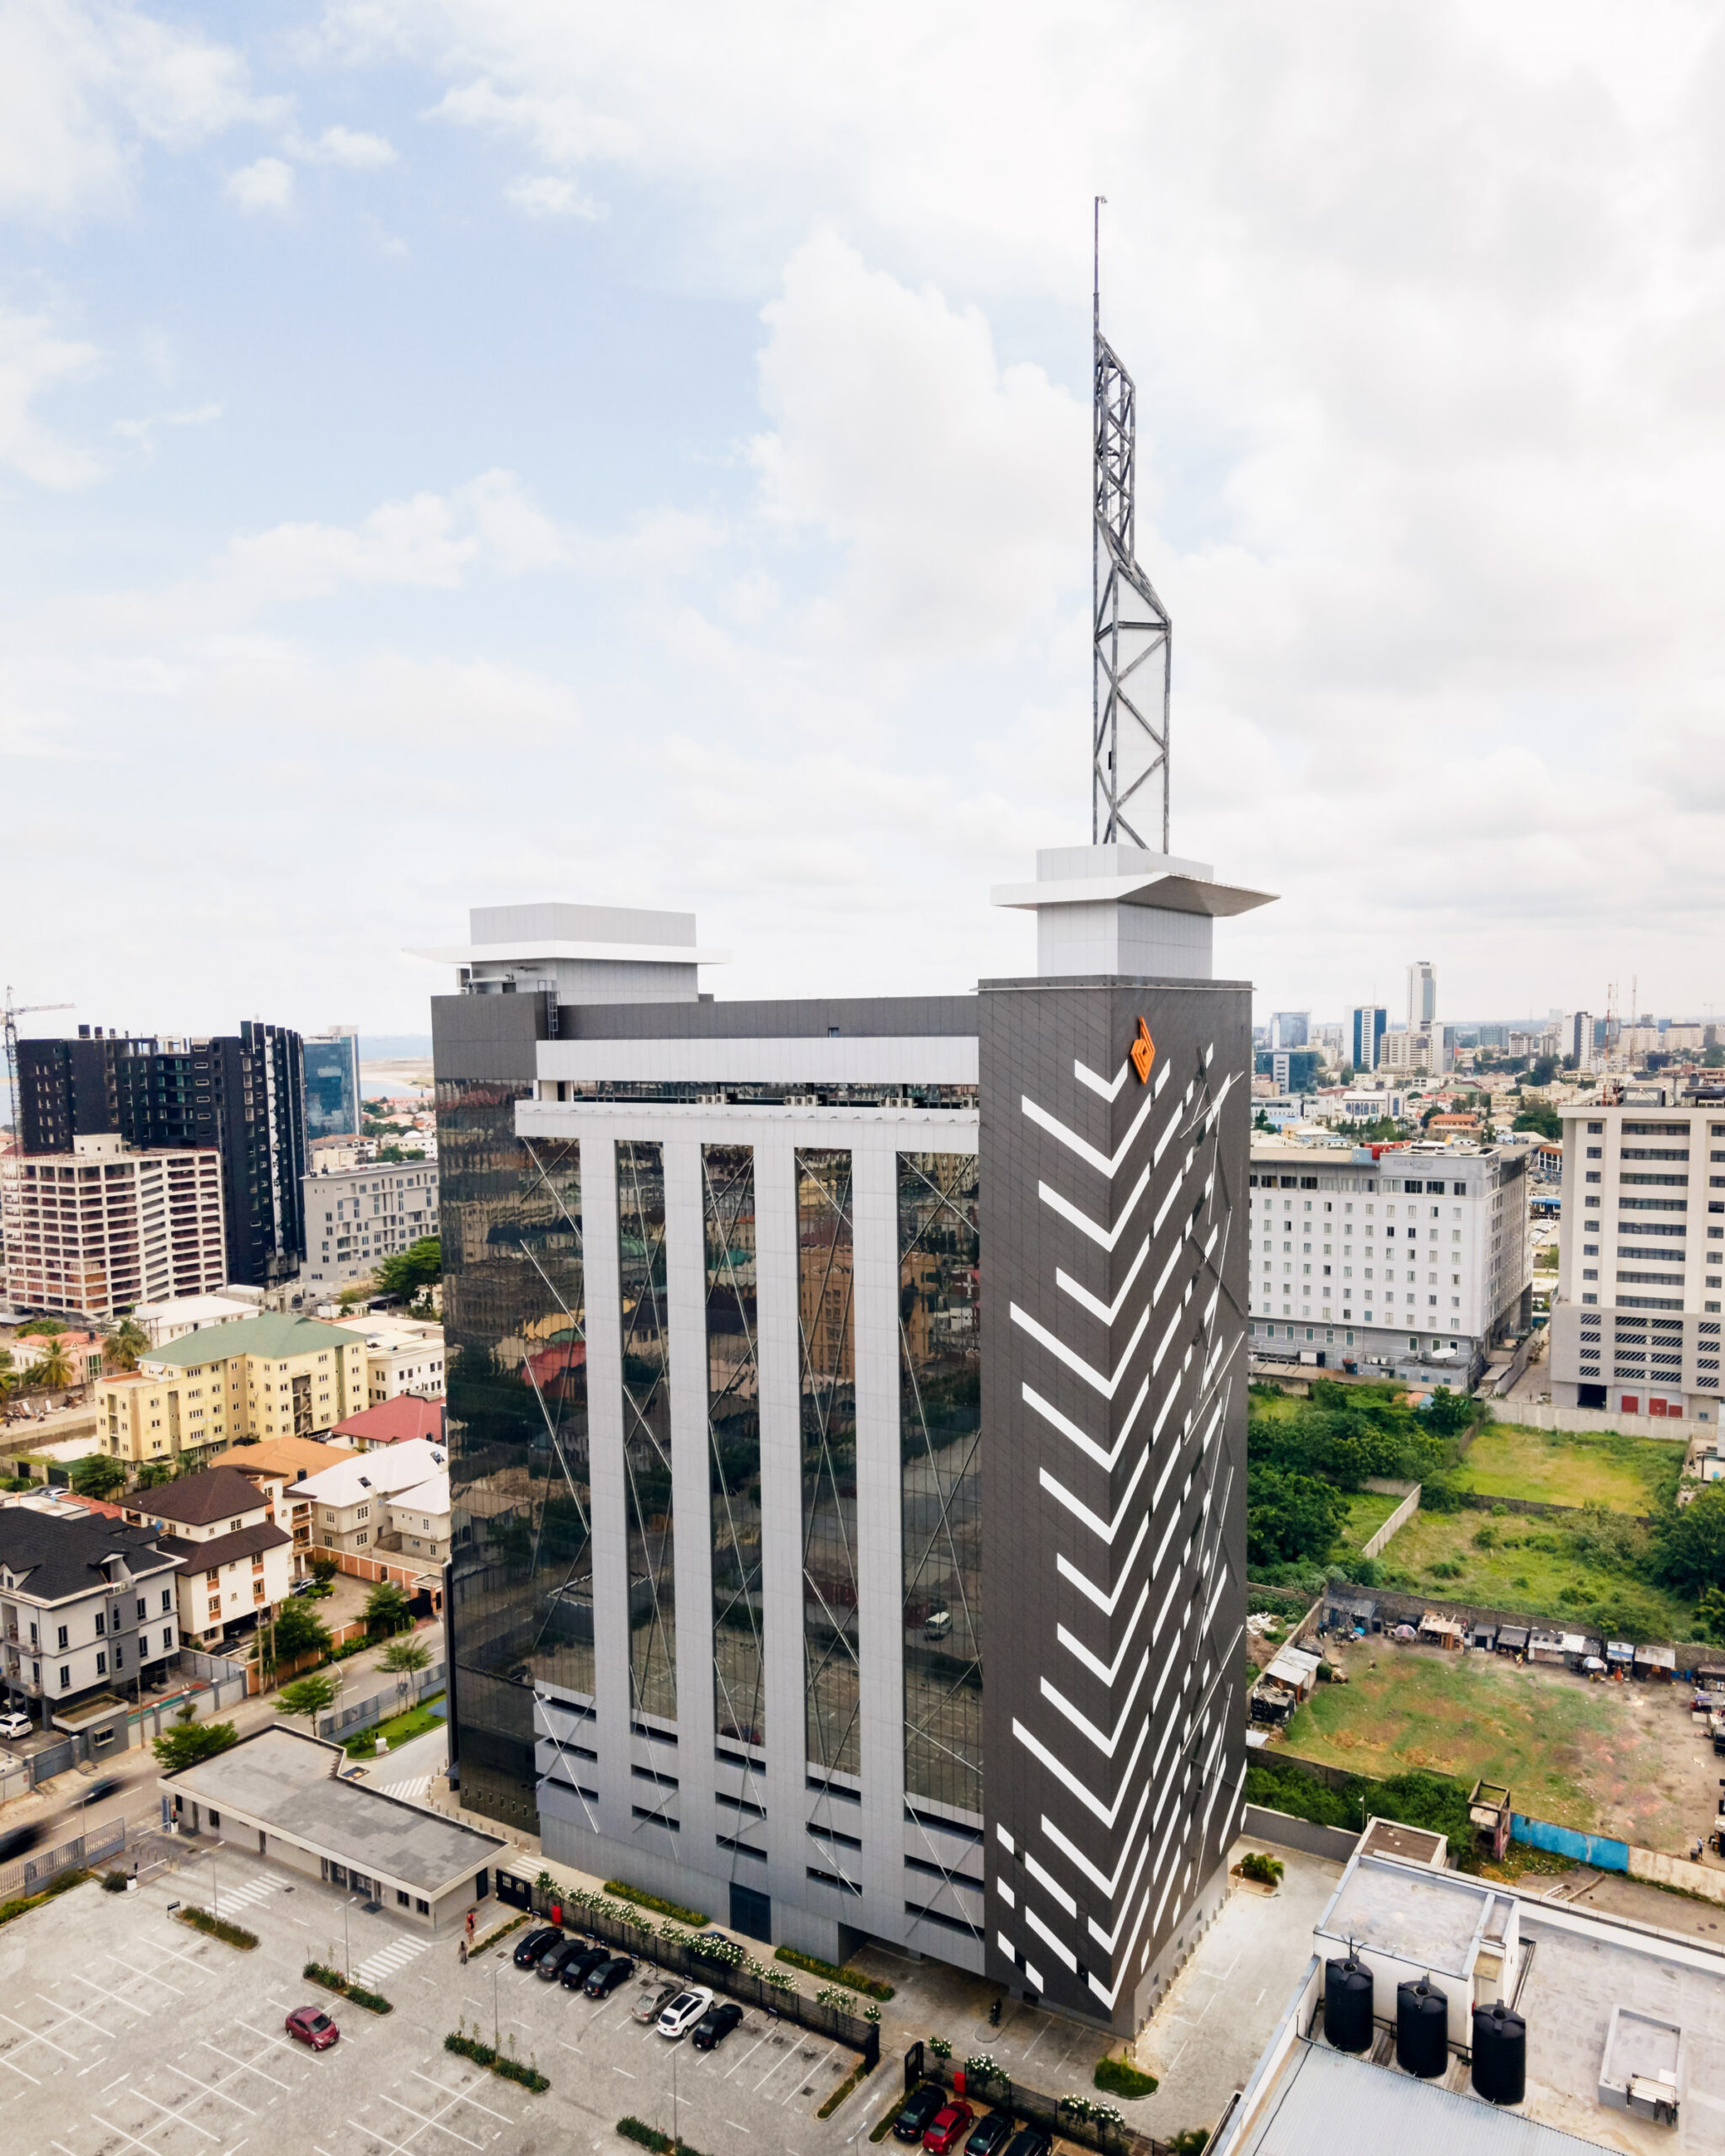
(53, 1368)
(8, 1375)
(122, 1347)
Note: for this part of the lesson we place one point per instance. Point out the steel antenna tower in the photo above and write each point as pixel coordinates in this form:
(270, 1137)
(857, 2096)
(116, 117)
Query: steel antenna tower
(1129, 689)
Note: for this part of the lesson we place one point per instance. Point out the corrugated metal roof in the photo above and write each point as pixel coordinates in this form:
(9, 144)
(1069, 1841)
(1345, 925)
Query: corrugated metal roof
(1326, 2101)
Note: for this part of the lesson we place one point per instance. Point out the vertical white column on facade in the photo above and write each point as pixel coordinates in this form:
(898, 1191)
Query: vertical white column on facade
(605, 1423)
(685, 1304)
(776, 1348)
(879, 1544)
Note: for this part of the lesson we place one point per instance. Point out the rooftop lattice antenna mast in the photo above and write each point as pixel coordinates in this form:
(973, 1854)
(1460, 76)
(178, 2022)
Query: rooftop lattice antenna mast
(1129, 689)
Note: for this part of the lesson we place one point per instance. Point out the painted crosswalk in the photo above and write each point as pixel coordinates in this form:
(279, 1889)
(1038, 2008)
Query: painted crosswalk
(388, 1958)
(414, 1788)
(224, 1897)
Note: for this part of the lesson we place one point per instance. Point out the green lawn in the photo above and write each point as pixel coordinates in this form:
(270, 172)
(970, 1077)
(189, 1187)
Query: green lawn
(1519, 1574)
(1572, 1752)
(398, 1729)
(1557, 1468)
(1367, 1511)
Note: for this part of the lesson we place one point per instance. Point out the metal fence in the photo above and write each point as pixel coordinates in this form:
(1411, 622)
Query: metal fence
(360, 1714)
(645, 1942)
(1032, 2105)
(43, 1865)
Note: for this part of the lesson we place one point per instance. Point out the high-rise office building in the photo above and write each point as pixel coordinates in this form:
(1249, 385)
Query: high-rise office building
(332, 1079)
(847, 1410)
(1422, 996)
(242, 1093)
(1368, 1024)
(1290, 1028)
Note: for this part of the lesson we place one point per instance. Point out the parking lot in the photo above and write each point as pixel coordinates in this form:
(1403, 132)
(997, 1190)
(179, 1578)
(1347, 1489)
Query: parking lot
(125, 2033)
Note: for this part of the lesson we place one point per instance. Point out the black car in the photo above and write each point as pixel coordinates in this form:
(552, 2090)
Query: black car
(716, 2024)
(1030, 2141)
(990, 2136)
(557, 1957)
(537, 1942)
(580, 1967)
(917, 2116)
(603, 1980)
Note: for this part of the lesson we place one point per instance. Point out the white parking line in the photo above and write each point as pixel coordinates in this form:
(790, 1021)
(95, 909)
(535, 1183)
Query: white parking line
(245, 2063)
(750, 2053)
(813, 2071)
(30, 2078)
(149, 1976)
(169, 2111)
(789, 2051)
(444, 2090)
(213, 2088)
(73, 2012)
(119, 2130)
(425, 2121)
(36, 2039)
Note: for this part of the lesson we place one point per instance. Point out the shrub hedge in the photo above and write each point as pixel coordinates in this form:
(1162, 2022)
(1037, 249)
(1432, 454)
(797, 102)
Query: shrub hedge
(854, 1978)
(645, 1901)
(232, 1934)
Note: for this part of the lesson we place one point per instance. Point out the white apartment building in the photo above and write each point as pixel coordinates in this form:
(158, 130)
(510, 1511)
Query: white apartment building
(93, 1232)
(1415, 1263)
(352, 1503)
(1641, 1257)
(236, 1565)
(85, 1605)
(403, 1354)
(162, 1322)
(357, 1217)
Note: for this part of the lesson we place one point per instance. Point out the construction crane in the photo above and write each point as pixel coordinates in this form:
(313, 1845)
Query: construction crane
(14, 1011)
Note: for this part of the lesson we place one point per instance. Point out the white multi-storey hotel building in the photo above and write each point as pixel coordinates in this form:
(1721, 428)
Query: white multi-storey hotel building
(847, 1422)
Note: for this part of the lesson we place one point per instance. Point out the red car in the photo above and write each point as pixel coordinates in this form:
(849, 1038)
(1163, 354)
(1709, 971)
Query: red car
(947, 2128)
(312, 2026)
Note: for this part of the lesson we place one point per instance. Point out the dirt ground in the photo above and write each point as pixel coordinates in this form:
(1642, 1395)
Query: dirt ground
(1620, 1759)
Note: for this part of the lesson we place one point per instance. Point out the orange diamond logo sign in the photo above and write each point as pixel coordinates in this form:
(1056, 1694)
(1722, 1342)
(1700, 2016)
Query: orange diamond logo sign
(1143, 1053)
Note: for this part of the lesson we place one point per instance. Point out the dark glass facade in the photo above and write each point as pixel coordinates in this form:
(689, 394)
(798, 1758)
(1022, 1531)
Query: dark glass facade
(653, 1621)
(825, 1274)
(331, 1086)
(733, 1438)
(521, 1583)
(940, 1438)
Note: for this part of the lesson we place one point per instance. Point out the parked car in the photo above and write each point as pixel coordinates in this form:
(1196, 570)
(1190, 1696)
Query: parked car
(684, 2010)
(716, 2024)
(919, 2111)
(13, 1726)
(991, 2135)
(1030, 2140)
(654, 1998)
(580, 1967)
(948, 2127)
(536, 1942)
(310, 2025)
(603, 1980)
(552, 1962)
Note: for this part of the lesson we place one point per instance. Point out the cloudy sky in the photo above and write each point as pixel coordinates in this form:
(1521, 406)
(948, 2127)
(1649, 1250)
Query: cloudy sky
(461, 450)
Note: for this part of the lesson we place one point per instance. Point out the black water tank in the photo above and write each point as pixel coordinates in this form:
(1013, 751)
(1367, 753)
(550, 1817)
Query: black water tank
(1499, 2053)
(1348, 2005)
(1421, 2029)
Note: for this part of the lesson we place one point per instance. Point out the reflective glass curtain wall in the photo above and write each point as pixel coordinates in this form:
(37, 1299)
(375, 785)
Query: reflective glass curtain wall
(520, 1571)
(640, 1227)
(733, 1437)
(828, 1385)
(940, 1387)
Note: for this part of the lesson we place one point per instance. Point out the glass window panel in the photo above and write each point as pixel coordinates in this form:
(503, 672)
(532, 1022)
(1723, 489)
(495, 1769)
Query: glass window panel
(828, 1374)
(733, 1435)
(640, 1227)
(940, 1432)
(515, 1323)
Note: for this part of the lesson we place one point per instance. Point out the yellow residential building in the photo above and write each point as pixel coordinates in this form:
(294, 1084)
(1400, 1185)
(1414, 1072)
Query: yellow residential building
(266, 1377)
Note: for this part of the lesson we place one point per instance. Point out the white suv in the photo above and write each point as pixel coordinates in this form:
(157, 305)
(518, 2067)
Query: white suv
(15, 1725)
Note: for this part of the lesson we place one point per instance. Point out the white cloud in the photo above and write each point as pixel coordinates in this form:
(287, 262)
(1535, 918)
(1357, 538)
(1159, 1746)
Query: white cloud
(343, 145)
(547, 195)
(266, 184)
(34, 361)
(83, 83)
(144, 431)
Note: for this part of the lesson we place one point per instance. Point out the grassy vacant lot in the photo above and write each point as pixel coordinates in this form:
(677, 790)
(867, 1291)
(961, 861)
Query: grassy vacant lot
(1515, 1575)
(1366, 1513)
(1559, 1468)
(1596, 1757)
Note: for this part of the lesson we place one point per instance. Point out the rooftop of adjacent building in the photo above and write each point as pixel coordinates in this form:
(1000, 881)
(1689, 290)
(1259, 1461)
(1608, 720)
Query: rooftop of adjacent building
(201, 1500)
(393, 1422)
(381, 1474)
(273, 1334)
(293, 1457)
(52, 1554)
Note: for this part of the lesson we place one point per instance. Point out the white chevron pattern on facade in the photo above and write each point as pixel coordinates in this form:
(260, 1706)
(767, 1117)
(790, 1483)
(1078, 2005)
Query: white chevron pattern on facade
(1197, 1733)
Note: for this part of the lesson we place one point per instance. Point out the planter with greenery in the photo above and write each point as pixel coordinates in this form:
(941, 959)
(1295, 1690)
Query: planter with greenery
(642, 1900)
(231, 1934)
(816, 1968)
(1263, 1869)
(487, 2055)
(315, 1972)
(24, 1903)
(1118, 2077)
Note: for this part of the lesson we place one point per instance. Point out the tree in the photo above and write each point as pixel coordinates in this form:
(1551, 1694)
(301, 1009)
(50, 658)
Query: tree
(8, 1375)
(1291, 1517)
(1689, 1549)
(299, 1630)
(1710, 1616)
(153, 1473)
(308, 1697)
(404, 1658)
(41, 1328)
(191, 1741)
(412, 1271)
(99, 1476)
(53, 1367)
(122, 1347)
(1540, 1116)
(387, 1608)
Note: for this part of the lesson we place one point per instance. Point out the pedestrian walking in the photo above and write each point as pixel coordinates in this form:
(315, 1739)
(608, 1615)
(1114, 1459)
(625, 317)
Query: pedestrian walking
(464, 1953)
